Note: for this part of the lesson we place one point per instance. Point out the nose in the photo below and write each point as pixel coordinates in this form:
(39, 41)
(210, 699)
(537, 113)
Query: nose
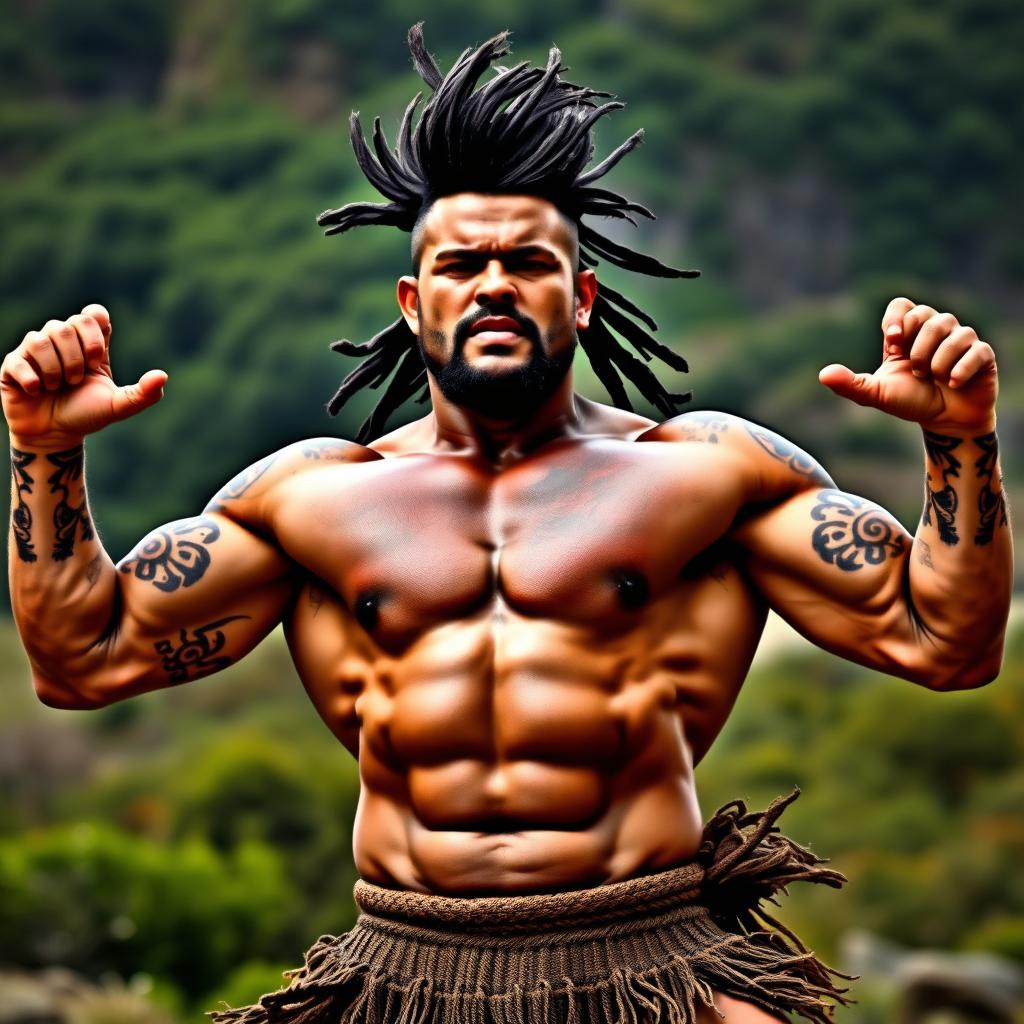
(495, 285)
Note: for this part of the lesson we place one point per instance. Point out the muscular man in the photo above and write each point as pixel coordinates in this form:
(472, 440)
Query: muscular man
(527, 614)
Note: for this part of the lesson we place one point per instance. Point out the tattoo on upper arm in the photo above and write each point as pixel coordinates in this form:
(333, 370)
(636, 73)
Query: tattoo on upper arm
(789, 454)
(67, 517)
(924, 553)
(991, 502)
(944, 502)
(853, 532)
(92, 570)
(21, 514)
(191, 657)
(175, 557)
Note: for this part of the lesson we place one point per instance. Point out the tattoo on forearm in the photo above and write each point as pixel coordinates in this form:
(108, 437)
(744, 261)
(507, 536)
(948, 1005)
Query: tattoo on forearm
(191, 657)
(69, 520)
(789, 454)
(174, 557)
(943, 502)
(853, 532)
(21, 514)
(991, 501)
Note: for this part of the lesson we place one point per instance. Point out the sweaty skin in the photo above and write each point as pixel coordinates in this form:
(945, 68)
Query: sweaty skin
(528, 632)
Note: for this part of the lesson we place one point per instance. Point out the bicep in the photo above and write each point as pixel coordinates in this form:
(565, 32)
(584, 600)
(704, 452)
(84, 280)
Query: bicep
(193, 597)
(835, 565)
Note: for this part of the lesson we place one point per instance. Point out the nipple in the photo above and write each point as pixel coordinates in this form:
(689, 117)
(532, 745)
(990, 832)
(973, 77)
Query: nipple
(633, 589)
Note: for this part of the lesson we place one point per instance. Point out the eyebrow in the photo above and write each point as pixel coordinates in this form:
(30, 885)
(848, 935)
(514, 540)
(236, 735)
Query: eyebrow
(521, 251)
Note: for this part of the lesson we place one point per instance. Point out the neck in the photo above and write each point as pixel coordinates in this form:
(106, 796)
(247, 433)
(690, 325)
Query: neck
(499, 441)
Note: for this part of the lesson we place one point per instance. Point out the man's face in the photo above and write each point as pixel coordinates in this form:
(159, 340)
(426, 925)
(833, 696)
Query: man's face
(497, 301)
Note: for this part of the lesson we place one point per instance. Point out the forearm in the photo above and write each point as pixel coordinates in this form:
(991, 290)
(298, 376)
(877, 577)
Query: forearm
(63, 584)
(960, 572)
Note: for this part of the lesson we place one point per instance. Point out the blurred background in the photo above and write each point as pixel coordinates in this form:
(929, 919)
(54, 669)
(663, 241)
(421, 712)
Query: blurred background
(814, 158)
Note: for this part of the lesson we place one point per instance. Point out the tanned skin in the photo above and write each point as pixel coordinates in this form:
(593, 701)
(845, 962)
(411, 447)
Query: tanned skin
(528, 630)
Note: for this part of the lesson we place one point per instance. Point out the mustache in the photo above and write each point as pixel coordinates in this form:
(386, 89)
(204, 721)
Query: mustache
(527, 327)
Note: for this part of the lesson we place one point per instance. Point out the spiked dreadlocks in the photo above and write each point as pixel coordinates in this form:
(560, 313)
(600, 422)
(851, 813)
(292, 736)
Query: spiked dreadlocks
(524, 132)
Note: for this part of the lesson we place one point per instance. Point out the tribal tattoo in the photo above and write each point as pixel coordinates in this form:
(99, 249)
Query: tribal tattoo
(196, 655)
(238, 486)
(991, 501)
(328, 448)
(853, 532)
(944, 502)
(789, 454)
(703, 426)
(68, 520)
(174, 557)
(21, 514)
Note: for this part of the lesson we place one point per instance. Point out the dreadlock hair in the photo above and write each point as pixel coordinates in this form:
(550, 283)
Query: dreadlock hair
(525, 131)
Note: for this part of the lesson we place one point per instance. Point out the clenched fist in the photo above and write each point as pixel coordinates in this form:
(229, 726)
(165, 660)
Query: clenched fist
(935, 371)
(57, 386)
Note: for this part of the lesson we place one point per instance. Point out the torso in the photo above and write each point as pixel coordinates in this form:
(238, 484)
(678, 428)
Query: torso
(528, 661)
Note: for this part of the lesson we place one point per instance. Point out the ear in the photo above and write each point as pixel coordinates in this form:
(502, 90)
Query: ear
(586, 292)
(408, 291)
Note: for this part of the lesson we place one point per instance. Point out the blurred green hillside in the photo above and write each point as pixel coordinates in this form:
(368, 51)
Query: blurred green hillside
(813, 157)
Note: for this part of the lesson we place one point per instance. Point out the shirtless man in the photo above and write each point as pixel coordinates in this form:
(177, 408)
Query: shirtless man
(526, 614)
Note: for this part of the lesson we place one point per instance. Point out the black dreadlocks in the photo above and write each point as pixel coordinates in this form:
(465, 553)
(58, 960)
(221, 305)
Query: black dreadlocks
(525, 131)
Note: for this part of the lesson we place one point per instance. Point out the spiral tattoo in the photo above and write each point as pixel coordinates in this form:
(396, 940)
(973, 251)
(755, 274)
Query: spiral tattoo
(197, 655)
(853, 532)
(174, 557)
(943, 502)
(21, 514)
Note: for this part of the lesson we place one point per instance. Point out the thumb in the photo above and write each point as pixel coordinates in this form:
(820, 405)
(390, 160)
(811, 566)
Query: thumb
(861, 388)
(133, 398)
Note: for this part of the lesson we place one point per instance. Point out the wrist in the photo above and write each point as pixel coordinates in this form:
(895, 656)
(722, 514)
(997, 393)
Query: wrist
(46, 444)
(983, 426)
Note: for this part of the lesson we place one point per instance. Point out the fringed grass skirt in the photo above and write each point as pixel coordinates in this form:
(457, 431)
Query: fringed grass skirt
(650, 949)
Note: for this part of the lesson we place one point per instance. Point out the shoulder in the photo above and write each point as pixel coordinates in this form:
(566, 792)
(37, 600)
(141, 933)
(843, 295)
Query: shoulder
(249, 489)
(775, 464)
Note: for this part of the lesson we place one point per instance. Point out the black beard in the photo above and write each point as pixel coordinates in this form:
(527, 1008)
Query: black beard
(502, 395)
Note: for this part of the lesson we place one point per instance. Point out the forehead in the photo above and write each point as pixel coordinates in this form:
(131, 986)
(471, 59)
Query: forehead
(500, 221)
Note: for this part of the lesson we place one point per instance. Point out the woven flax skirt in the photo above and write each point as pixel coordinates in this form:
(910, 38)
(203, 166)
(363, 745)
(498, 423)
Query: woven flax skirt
(650, 949)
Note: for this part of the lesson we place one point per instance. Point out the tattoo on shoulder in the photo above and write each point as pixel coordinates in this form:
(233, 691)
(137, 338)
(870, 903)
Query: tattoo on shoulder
(991, 500)
(944, 501)
(330, 449)
(69, 520)
(21, 514)
(239, 485)
(175, 556)
(191, 657)
(788, 453)
(703, 426)
(853, 532)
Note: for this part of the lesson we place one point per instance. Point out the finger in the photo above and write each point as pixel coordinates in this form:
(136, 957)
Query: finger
(39, 351)
(931, 333)
(950, 350)
(91, 340)
(892, 322)
(861, 388)
(69, 350)
(101, 316)
(978, 359)
(17, 372)
(912, 321)
(133, 398)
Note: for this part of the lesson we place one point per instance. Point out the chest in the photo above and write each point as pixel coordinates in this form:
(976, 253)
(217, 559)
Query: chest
(591, 534)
